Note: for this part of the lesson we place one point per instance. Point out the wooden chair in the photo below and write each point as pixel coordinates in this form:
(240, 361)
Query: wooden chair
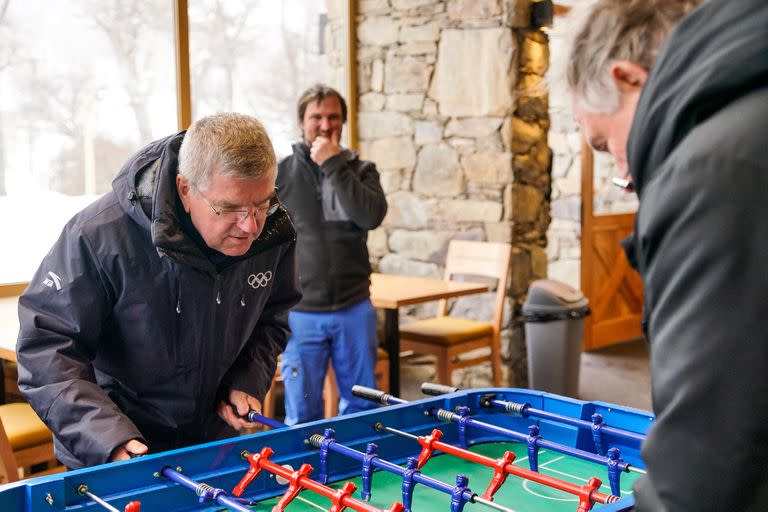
(25, 444)
(330, 390)
(448, 337)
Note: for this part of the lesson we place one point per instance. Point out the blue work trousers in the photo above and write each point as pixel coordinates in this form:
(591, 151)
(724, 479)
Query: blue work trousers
(348, 339)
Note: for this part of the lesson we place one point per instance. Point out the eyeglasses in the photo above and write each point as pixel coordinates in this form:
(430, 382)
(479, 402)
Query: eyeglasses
(237, 216)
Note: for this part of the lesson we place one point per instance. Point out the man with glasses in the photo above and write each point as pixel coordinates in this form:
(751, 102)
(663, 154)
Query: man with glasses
(334, 198)
(156, 319)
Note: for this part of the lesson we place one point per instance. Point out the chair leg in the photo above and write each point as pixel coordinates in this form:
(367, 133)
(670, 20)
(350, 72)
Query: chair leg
(382, 374)
(268, 407)
(9, 471)
(496, 362)
(330, 394)
(444, 369)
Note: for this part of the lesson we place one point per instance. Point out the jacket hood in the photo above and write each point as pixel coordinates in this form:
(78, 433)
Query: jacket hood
(716, 54)
(156, 164)
(146, 190)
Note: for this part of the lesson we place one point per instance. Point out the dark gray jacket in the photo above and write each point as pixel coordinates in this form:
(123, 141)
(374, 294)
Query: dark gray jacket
(130, 330)
(333, 207)
(698, 154)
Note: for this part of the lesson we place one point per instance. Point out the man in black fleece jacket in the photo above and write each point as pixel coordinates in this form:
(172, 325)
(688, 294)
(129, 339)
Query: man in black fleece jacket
(688, 127)
(334, 198)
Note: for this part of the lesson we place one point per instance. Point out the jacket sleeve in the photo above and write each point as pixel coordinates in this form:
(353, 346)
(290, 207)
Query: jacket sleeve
(61, 316)
(253, 370)
(706, 286)
(357, 189)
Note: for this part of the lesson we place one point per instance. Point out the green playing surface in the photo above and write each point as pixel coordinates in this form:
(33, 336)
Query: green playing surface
(516, 493)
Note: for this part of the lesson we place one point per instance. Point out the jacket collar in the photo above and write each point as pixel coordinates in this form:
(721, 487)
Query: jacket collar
(152, 170)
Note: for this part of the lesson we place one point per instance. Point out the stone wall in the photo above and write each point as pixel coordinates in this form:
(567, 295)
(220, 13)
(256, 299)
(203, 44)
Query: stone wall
(453, 111)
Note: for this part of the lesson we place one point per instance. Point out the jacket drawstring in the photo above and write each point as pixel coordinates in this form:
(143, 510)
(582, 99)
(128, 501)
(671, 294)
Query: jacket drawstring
(178, 295)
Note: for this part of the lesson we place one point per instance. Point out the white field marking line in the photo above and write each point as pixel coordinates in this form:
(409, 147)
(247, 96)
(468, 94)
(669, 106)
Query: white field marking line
(574, 477)
(551, 461)
(523, 459)
(527, 482)
(553, 498)
(305, 500)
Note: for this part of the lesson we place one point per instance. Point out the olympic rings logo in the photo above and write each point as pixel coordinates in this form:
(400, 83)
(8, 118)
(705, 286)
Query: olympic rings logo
(260, 280)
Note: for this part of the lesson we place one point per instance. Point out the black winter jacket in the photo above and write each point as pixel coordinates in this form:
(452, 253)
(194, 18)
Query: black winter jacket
(697, 154)
(332, 207)
(128, 330)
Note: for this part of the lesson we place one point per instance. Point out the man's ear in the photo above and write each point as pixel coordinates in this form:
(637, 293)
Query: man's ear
(628, 75)
(184, 189)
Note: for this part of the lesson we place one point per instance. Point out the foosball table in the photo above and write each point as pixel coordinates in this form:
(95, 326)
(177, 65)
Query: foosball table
(476, 450)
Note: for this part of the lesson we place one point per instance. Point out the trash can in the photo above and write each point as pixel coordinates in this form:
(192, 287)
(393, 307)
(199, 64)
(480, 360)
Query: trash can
(554, 329)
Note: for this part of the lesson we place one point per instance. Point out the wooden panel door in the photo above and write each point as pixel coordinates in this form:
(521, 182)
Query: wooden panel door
(614, 289)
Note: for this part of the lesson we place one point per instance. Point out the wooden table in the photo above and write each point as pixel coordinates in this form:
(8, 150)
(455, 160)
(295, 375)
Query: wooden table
(389, 292)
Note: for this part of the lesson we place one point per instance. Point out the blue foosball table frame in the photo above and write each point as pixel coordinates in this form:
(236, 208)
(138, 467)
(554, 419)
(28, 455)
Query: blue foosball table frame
(221, 465)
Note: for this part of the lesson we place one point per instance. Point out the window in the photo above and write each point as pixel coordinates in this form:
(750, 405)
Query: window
(257, 57)
(86, 83)
(83, 85)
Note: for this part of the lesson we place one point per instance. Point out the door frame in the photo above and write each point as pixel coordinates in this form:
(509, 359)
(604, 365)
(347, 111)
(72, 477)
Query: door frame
(600, 331)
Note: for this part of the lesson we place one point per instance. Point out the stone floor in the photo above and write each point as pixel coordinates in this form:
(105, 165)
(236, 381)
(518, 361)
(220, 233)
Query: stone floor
(618, 374)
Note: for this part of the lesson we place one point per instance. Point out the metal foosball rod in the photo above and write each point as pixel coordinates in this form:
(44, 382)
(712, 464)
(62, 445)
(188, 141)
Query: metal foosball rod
(207, 492)
(298, 480)
(587, 494)
(133, 506)
(460, 494)
(525, 410)
(612, 461)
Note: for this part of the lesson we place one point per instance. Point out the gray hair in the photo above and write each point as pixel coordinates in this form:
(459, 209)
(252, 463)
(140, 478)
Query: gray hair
(612, 30)
(231, 144)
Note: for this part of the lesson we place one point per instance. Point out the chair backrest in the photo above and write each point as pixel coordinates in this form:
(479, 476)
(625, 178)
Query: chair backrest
(485, 259)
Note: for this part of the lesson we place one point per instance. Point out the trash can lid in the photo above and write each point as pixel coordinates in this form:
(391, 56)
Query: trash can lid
(550, 300)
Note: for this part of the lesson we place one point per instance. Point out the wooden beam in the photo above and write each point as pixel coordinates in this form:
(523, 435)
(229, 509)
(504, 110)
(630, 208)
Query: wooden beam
(562, 10)
(352, 73)
(183, 89)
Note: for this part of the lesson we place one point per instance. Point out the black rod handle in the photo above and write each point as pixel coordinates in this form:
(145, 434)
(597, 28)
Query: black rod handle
(430, 388)
(376, 395)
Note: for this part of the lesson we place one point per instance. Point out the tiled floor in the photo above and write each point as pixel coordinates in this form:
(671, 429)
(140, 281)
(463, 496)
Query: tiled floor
(618, 374)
